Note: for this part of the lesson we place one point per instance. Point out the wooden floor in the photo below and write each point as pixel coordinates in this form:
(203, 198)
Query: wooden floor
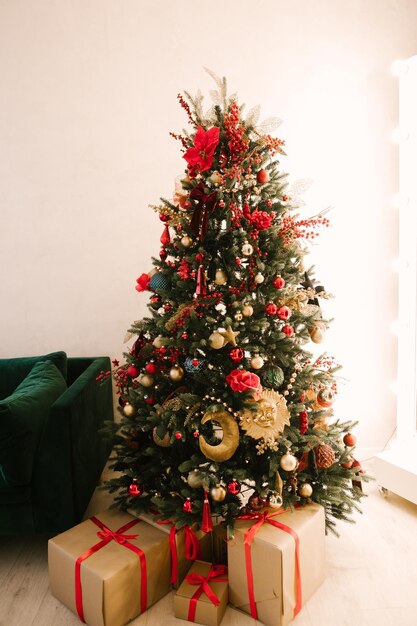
(371, 576)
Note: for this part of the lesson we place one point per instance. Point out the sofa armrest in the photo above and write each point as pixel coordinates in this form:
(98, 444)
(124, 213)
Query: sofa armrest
(73, 451)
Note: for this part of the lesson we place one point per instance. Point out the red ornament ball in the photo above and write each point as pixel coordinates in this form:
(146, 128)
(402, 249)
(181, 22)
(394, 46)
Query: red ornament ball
(288, 330)
(184, 336)
(234, 487)
(237, 355)
(278, 282)
(271, 309)
(136, 489)
(188, 506)
(163, 254)
(151, 368)
(178, 435)
(132, 371)
(149, 400)
(284, 313)
(268, 203)
(196, 362)
(262, 176)
(348, 463)
(163, 218)
(167, 307)
(349, 440)
(199, 257)
(196, 433)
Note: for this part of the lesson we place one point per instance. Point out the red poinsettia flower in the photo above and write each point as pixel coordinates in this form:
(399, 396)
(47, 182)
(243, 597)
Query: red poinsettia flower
(200, 157)
(261, 219)
(143, 282)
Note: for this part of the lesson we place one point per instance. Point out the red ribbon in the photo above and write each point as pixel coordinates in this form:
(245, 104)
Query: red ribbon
(263, 518)
(205, 204)
(192, 547)
(106, 535)
(215, 573)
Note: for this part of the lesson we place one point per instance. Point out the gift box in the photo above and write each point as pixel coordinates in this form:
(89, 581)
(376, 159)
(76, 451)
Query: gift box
(276, 562)
(186, 544)
(203, 594)
(219, 544)
(110, 568)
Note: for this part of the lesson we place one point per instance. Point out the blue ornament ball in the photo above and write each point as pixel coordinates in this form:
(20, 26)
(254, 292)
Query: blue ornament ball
(159, 282)
(194, 365)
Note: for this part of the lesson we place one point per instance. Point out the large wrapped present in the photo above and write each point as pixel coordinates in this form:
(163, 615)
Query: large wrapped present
(110, 568)
(219, 544)
(186, 544)
(276, 562)
(203, 594)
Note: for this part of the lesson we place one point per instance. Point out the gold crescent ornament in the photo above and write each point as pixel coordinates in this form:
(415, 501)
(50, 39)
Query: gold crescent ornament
(165, 442)
(230, 441)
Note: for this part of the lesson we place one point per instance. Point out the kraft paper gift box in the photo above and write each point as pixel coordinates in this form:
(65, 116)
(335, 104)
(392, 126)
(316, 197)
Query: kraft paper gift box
(129, 571)
(219, 544)
(183, 546)
(278, 588)
(191, 601)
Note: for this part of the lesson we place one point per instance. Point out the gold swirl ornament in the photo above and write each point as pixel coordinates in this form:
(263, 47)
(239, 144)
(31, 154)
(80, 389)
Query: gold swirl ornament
(230, 441)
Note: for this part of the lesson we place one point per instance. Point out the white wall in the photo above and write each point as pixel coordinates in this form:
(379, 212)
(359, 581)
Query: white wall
(88, 96)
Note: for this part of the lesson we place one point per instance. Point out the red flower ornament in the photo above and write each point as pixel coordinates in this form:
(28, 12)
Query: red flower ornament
(261, 219)
(200, 157)
(143, 282)
(241, 380)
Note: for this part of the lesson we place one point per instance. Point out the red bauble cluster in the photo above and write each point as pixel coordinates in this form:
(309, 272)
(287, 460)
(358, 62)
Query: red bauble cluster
(303, 415)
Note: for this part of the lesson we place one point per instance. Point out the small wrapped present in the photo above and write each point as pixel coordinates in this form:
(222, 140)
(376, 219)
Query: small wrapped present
(276, 562)
(203, 594)
(186, 544)
(110, 568)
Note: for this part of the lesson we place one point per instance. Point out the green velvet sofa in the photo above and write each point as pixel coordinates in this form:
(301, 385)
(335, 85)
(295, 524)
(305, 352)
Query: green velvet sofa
(52, 450)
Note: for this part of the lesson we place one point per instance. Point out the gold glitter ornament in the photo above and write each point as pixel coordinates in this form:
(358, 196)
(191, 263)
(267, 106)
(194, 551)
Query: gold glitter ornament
(247, 310)
(288, 462)
(146, 380)
(269, 419)
(176, 373)
(220, 278)
(218, 493)
(256, 362)
(216, 341)
(186, 241)
(129, 410)
(305, 490)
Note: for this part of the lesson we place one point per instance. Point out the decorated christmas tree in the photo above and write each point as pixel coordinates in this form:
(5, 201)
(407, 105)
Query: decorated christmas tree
(223, 408)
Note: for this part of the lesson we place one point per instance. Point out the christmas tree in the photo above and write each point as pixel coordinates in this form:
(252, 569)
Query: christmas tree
(223, 408)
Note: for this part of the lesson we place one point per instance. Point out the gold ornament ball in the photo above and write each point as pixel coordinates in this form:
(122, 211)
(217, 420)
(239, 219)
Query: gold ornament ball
(238, 316)
(186, 241)
(176, 373)
(218, 493)
(257, 362)
(146, 380)
(158, 342)
(247, 249)
(220, 278)
(305, 490)
(129, 410)
(259, 278)
(195, 479)
(317, 335)
(275, 502)
(247, 310)
(288, 462)
(216, 341)
(215, 178)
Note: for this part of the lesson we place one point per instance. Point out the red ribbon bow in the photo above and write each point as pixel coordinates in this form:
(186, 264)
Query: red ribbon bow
(262, 518)
(106, 535)
(206, 203)
(192, 547)
(215, 574)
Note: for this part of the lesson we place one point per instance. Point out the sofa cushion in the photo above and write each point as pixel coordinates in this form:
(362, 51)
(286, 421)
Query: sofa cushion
(13, 371)
(22, 416)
